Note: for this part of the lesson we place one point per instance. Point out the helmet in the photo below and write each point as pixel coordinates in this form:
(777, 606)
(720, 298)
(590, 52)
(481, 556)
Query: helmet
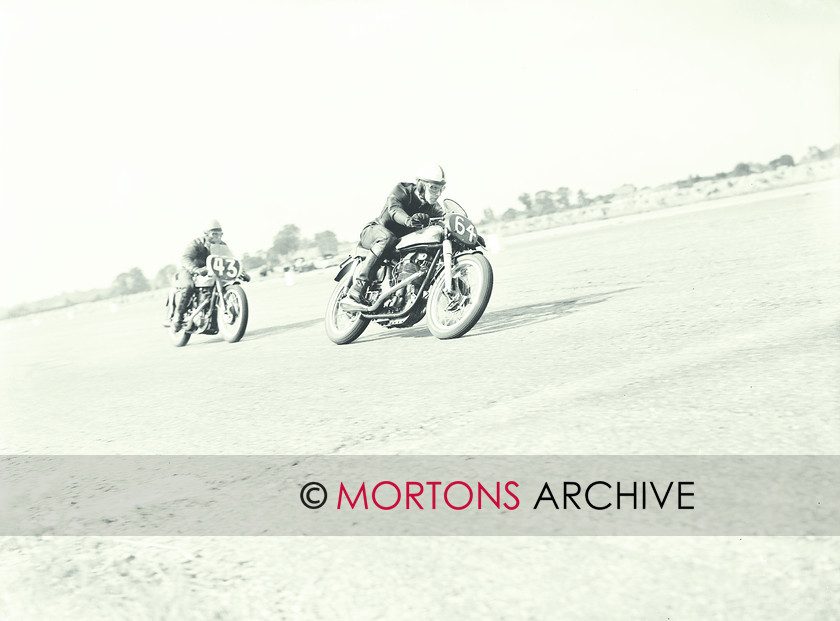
(213, 225)
(432, 174)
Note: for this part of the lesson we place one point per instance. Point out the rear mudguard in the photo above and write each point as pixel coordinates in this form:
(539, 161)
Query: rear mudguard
(345, 267)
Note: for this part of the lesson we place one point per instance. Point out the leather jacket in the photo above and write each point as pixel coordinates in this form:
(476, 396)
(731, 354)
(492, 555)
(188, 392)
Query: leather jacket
(402, 203)
(195, 255)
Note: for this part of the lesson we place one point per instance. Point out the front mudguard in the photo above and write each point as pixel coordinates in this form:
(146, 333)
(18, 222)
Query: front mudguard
(463, 252)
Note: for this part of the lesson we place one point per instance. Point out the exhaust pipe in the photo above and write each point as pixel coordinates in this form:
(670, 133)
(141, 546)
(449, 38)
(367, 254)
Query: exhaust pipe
(350, 305)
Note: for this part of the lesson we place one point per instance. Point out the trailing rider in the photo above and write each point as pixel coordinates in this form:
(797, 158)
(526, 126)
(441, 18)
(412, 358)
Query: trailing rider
(194, 263)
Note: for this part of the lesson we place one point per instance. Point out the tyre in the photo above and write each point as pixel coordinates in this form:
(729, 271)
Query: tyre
(450, 315)
(180, 338)
(343, 327)
(232, 318)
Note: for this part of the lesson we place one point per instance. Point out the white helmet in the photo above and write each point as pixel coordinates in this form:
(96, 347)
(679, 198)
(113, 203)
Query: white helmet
(213, 225)
(432, 174)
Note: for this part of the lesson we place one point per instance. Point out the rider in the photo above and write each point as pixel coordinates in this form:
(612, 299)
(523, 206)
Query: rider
(409, 206)
(194, 263)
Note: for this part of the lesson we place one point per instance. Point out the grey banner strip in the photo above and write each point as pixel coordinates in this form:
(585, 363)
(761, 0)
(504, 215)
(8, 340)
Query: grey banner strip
(419, 495)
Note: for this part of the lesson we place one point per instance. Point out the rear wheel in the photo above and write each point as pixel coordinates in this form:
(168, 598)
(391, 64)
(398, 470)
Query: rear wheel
(453, 314)
(180, 338)
(232, 317)
(342, 326)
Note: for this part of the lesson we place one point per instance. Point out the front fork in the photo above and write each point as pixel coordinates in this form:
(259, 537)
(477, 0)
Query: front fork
(220, 296)
(221, 303)
(447, 265)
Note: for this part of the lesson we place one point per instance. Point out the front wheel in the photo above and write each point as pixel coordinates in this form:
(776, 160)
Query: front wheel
(233, 315)
(343, 327)
(453, 314)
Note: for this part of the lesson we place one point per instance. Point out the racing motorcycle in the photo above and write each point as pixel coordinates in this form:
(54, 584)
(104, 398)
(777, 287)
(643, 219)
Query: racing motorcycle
(438, 271)
(218, 304)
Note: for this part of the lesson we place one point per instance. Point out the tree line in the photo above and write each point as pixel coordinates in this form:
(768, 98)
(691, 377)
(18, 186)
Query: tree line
(547, 202)
(285, 244)
(288, 241)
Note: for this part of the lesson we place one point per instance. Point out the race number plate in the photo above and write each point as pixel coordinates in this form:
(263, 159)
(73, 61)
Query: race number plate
(462, 229)
(226, 268)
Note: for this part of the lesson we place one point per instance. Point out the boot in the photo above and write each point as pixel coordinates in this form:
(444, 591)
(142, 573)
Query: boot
(357, 291)
(183, 300)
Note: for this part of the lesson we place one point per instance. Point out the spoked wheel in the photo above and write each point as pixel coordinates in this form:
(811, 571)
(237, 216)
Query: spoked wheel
(343, 326)
(232, 317)
(452, 314)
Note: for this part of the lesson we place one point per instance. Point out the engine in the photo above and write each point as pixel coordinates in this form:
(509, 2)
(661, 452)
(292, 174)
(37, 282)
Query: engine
(203, 295)
(404, 269)
(201, 318)
(409, 265)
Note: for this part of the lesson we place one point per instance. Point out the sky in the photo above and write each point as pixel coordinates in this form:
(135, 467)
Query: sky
(126, 126)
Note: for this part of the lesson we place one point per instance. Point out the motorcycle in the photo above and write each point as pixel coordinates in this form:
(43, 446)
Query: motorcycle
(218, 303)
(438, 272)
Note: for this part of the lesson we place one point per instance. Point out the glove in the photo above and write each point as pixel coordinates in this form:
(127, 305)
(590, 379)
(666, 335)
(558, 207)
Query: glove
(481, 241)
(201, 272)
(245, 277)
(418, 220)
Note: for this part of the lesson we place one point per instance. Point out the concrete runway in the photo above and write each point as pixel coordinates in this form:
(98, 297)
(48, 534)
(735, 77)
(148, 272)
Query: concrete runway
(708, 331)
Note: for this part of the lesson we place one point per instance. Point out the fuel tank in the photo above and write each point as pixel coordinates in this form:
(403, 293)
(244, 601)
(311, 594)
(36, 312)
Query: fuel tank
(205, 281)
(425, 237)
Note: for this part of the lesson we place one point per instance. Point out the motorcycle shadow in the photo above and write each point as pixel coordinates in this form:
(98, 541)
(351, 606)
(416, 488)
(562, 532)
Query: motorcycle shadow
(271, 330)
(510, 318)
(259, 332)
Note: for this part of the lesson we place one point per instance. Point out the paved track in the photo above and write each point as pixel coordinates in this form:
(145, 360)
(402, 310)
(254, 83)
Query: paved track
(701, 332)
(710, 332)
